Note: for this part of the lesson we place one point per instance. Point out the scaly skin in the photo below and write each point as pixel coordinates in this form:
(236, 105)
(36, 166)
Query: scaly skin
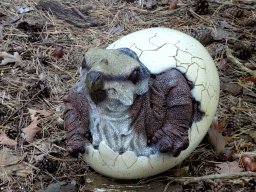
(76, 117)
(165, 112)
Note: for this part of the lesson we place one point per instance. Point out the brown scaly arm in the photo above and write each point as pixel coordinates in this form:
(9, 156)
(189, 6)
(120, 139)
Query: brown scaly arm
(173, 135)
(76, 118)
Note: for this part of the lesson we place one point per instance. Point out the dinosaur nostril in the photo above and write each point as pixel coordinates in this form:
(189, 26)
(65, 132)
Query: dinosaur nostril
(94, 78)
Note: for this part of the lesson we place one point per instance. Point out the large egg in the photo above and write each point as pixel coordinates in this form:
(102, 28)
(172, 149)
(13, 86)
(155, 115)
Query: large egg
(161, 49)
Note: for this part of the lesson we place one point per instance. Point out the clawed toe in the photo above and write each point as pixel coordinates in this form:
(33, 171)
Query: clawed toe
(171, 143)
(164, 146)
(180, 146)
(75, 152)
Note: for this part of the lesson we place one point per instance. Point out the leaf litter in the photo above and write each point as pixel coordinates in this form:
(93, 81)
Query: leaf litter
(11, 164)
(9, 58)
(5, 140)
(229, 167)
(29, 132)
(215, 135)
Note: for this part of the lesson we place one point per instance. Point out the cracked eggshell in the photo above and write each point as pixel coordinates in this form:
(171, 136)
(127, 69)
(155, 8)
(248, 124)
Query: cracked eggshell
(161, 49)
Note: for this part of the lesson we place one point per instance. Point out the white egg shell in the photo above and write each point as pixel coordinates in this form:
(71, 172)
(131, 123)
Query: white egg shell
(161, 49)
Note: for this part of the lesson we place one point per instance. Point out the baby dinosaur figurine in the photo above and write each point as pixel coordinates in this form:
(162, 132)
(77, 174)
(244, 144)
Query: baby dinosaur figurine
(118, 101)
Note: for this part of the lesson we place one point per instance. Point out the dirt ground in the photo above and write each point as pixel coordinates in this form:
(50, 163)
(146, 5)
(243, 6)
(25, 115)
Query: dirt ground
(35, 76)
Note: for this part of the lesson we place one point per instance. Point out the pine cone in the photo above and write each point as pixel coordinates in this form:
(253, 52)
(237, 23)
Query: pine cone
(252, 183)
(242, 51)
(203, 35)
(201, 7)
(250, 22)
(12, 133)
(47, 164)
(252, 46)
(233, 11)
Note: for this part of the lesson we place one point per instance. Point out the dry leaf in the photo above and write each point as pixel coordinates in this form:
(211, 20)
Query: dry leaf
(23, 170)
(9, 58)
(215, 136)
(44, 113)
(4, 140)
(252, 79)
(34, 113)
(249, 162)
(229, 167)
(29, 132)
(9, 164)
(6, 158)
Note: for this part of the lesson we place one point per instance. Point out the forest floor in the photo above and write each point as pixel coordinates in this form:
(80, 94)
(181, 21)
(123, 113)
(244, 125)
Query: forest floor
(35, 76)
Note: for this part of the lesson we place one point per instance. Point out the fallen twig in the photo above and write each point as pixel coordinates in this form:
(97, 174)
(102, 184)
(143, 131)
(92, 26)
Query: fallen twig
(188, 180)
(8, 23)
(238, 63)
(78, 12)
(13, 21)
(196, 15)
(221, 3)
(244, 153)
(170, 12)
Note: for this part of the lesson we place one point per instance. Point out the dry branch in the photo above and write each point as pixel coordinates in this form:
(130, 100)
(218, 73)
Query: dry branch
(238, 63)
(187, 180)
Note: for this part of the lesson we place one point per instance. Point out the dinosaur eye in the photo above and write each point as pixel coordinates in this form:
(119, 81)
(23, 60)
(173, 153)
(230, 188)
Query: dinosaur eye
(135, 76)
